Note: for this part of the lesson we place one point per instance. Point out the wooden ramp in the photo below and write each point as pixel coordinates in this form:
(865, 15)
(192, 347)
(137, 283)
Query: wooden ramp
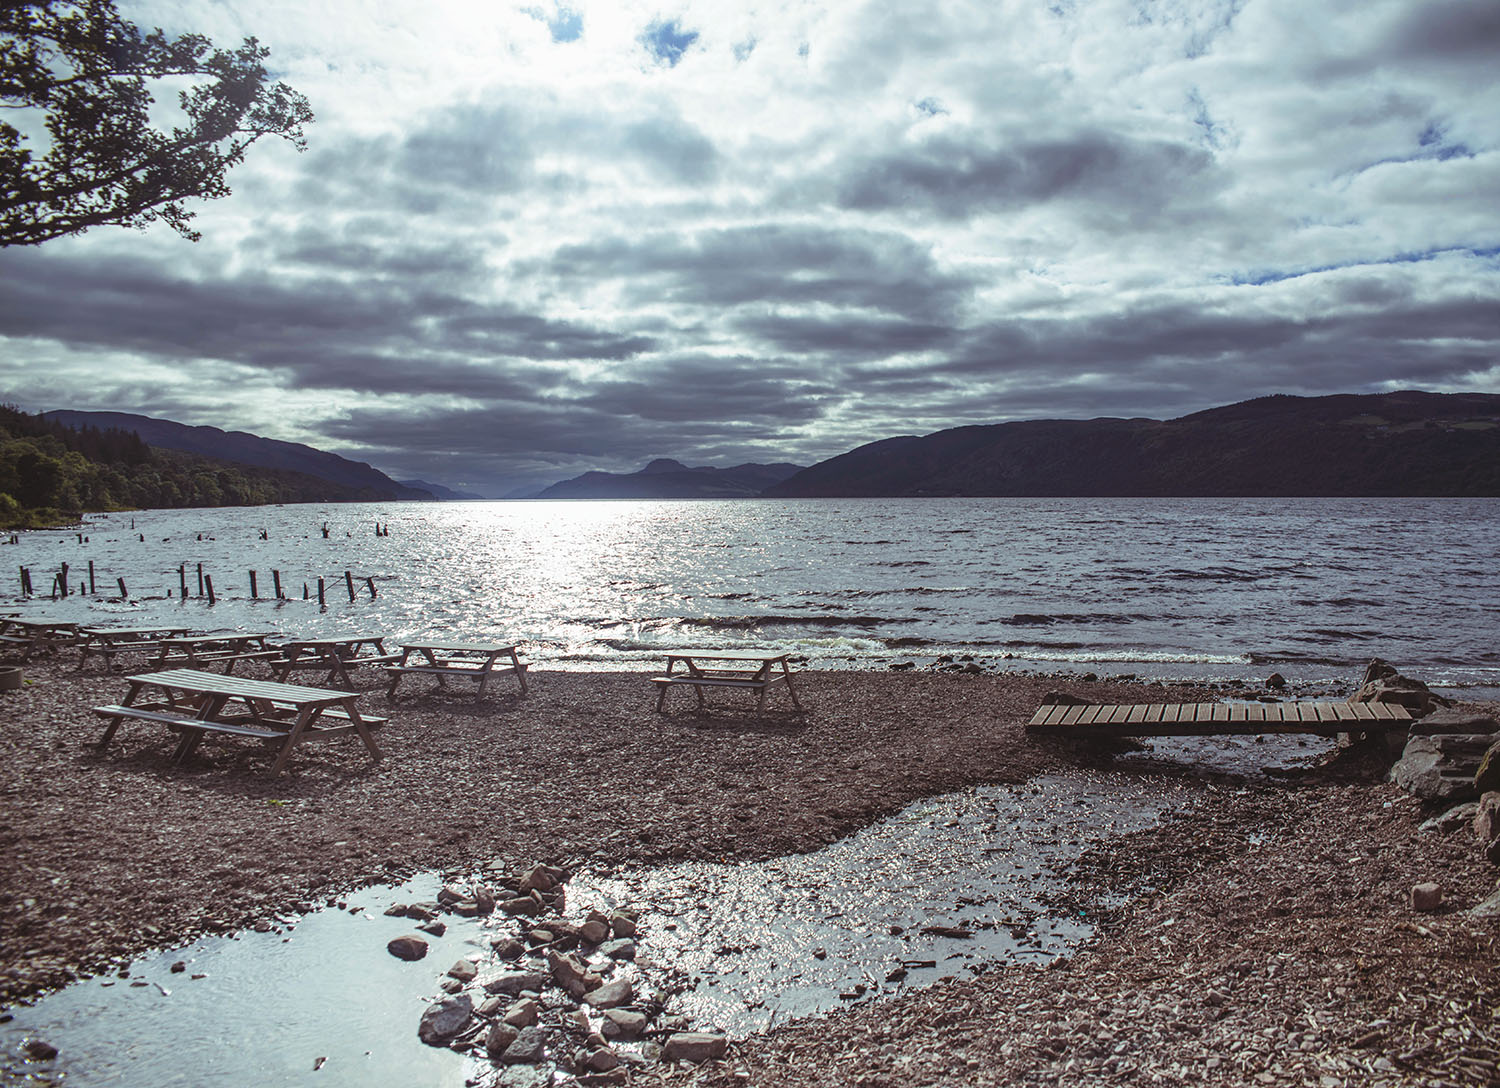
(1211, 719)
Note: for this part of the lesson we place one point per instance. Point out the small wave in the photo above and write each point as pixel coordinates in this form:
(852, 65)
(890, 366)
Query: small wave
(900, 643)
(1078, 653)
(1285, 658)
(1212, 574)
(904, 563)
(735, 623)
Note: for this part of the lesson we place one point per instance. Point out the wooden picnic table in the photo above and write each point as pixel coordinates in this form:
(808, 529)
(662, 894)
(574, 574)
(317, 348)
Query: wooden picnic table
(334, 656)
(473, 660)
(109, 641)
(201, 651)
(29, 636)
(196, 703)
(749, 669)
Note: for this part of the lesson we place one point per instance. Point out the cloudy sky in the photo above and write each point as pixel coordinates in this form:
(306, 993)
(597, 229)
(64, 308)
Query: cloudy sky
(530, 239)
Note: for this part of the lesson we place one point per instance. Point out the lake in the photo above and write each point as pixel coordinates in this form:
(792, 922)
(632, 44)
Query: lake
(1208, 588)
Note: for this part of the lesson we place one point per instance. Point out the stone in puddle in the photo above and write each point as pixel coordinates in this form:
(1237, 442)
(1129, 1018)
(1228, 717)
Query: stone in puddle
(612, 995)
(409, 947)
(695, 1047)
(523, 1013)
(437, 929)
(623, 1023)
(529, 1047)
(39, 1051)
(622, 949)
(513, 982)
(499, 1039)
(445, 1020)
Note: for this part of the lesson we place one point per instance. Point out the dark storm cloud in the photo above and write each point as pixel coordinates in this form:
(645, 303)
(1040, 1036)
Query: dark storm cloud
(773, 263)
(1134, 179)
(367, 334)
(845, 335)
(719, 391)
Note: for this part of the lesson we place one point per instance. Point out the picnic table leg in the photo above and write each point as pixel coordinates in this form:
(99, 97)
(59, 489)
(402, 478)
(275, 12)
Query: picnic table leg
(191, 737)
(114, 723)
(787, 673)
(304, 719)
(520, 670)
(363, 730)
(484, 678)
(661, 697)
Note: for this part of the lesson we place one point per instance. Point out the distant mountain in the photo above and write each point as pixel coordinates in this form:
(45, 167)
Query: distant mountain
(438, 491)
(668, 479)
(1406, 443)
(247, 449)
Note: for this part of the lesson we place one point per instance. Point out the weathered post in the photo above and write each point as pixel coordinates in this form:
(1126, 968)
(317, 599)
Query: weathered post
(371, 583)
(200, 579)
(209, 581)
(276, 583)
(254, 595)
(62, 579)
(92, 591)
(349, 585)
(182, 578)
(325, 530)
(123, 594)
(322, 599)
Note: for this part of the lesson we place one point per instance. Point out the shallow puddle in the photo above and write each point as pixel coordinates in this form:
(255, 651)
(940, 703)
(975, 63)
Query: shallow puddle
(948, 885)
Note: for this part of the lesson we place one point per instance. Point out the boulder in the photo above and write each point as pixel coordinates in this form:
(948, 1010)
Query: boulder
(1441, 766)
(523, 1014)
(695, 1047)
(409, 947)
(623, 1023)
(1451, 820)
(508, 948)
(622, 924)
(1276, 681)
(1487, 776)
(515, 982)
(593, 931)
(1487, 824)
(601, 1061)
(1383, 684)
(463, 971)
(572, 975)
(1062, 698)
(1488, 908)
(521, 905)
(445, 1020)
(497, 1041)
(1454, 720)
(622, 949)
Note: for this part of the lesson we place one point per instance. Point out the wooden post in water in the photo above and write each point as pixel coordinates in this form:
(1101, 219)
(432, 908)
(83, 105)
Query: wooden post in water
(25, 582)
(209, 581)
(123, 594)
(200, 579)
(57, 580)
(92, 591)
(276, 583)
(62, 579)
(349, 585)
(182, 578)
(371, 583)
(254, 596)
(325, 530)
(305, 594)
(322, 599)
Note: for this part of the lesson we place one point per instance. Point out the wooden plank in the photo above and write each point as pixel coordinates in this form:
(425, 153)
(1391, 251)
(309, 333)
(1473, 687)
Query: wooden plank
(1073, 714)
(1154, 711)
(1221, 712)
(1138, 713)
(1237, 713)
(1361, 711)
(1380, 710)
(1056, 714)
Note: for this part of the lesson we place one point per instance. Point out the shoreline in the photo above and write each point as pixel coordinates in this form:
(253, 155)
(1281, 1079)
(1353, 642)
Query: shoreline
(109, 855)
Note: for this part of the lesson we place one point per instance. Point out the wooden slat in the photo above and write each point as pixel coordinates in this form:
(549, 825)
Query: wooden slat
(1360, 711)
(1381, 710)
(1138, 713)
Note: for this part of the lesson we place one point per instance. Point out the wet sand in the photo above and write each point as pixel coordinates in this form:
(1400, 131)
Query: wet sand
(1253, 939)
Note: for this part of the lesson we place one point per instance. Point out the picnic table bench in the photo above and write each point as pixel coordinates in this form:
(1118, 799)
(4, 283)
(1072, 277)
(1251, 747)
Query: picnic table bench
(109, 641)
(736, 672)
(225, 649)
(473, 660)
(194, 704)
(1211, 719)
(334, 656)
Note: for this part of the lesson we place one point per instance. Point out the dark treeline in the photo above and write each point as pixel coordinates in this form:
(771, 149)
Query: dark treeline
(51, 473)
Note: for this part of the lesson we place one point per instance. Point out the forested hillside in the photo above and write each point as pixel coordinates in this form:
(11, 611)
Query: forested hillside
(51, 473)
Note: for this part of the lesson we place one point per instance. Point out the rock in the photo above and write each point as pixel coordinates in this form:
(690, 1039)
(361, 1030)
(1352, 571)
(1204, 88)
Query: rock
(695, 1047)
(451, 894)
(530, 1046)
(409, 948)
(437, 929)
(523, 1014)
(466, 908)
(1451, 820)
(1426, 897)
(1456, 721)
(423, 912)
(593, 931)
(497, 1041)
(521, 905)
(490, 1008)
(538, 878)
(507, 948)
(1440, 767)
(445, 1020)
(622, 949)
(622, 924)
(1276, 681)
(1487, 777)
(514, 982)
(396, 910)
(601, 1060)
(1383, 684)
(572, 975)
(1062, 698)
(623, 1023)
(484, 899)
(463, 971)
(39, 1051)
(611, 995)
(451, 986)
(1488, 908)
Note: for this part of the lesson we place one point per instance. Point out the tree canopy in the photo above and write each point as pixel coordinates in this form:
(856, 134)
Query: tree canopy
(78, 79)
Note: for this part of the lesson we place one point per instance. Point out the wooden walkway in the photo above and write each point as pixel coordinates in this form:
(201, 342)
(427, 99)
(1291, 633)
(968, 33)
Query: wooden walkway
(1210, 719)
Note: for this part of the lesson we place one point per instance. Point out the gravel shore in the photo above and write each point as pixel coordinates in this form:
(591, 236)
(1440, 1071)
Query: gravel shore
(1269, 939)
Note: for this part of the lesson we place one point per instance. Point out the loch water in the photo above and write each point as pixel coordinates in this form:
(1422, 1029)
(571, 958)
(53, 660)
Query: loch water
(1212, 588)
